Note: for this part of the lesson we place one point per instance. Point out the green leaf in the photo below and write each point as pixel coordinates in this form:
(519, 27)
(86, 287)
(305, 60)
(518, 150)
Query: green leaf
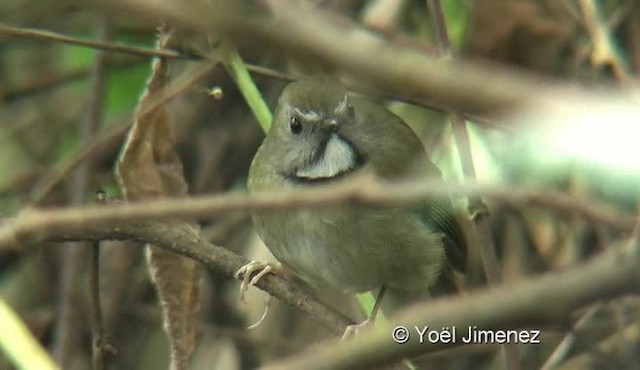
(456, 14)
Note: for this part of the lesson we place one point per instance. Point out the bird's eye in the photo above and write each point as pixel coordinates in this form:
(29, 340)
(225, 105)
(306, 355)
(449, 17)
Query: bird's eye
(295, 125)
(351, 111)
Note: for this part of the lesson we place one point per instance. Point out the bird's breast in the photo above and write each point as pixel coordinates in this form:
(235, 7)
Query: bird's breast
(319, 246)
(353, 248)
(337, 157)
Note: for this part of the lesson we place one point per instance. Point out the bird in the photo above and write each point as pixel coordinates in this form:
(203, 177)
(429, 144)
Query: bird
(321, 134)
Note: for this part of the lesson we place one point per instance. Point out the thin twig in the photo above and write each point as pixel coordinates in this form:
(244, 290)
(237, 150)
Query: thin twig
(100, 341)
(633, 36)
(133, 50)
(67, 332)
(178, 86)
(526, 304)
(477, 208)
(128, 49)
(101, 344)
(613, 273)
(604, 50)
(565, 346)
(439, 27)
(97, 327)
(472, 87)
(100, 45)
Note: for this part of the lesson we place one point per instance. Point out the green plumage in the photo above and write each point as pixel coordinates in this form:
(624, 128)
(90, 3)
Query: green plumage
(353, 248)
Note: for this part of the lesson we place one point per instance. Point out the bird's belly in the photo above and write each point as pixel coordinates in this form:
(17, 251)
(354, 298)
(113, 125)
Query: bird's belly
(354, 252)
(318, 263)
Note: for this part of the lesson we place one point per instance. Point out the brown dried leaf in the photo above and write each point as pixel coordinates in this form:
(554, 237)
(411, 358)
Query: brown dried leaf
(149, 168)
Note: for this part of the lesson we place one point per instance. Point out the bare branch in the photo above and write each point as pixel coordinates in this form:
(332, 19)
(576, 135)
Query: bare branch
(100, 45)
(67, 334)
(604, 50)
(472, 88)
(181, 239)
(526, 304)
(362, 190)
(119, 48)
(477, 208)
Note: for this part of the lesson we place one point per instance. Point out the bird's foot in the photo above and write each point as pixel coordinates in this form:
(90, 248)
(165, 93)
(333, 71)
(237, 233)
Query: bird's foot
(353, 330)
(249, 269)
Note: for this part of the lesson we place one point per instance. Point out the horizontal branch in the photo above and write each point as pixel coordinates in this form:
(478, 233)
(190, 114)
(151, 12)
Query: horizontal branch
(467, 87)
(94, 44)
(362, 190)
(526, 304)
(121, 48)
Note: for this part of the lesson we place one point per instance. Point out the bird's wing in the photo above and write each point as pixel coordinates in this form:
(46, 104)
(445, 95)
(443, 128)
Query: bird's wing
(439, 215)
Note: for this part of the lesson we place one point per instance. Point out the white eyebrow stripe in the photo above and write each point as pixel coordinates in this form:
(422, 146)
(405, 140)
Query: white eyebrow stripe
(309, 116)
(342, 104)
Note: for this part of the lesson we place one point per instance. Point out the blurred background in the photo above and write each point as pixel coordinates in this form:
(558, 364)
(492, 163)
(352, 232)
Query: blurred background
(46, 87)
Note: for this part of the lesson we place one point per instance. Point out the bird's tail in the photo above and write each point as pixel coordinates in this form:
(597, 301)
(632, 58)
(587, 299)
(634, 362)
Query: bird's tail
(448, 283)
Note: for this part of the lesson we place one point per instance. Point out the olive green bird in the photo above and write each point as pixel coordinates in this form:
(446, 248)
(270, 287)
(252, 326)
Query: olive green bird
(321, 134)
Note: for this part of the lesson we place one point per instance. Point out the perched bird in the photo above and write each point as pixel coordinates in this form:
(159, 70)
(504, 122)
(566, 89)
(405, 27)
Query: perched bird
(319, 134)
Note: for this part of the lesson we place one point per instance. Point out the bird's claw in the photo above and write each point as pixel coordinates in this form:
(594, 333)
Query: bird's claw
(353, 330)
(247, 271)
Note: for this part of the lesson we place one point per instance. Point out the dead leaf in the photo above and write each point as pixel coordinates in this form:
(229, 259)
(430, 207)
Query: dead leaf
(149, 168)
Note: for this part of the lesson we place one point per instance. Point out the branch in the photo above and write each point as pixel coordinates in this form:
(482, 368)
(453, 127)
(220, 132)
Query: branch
(604, 49)
(100, 344)
(67, 332)
(100, 45)
(181, 239)
(527, 304)
(477, 208)
(472, 88)
(120, 48)
(360, 191)
(524, 304)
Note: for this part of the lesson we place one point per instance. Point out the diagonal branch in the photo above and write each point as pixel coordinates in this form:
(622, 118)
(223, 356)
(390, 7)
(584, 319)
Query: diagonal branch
(181, 239)
(526, 304)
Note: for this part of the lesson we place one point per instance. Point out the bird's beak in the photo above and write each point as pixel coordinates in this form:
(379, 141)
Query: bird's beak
(332, 123)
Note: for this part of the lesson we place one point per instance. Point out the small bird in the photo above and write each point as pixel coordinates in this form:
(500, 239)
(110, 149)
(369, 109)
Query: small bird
(320, 134)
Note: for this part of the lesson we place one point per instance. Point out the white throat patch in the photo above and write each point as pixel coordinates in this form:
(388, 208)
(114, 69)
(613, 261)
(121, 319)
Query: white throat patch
(338, 157)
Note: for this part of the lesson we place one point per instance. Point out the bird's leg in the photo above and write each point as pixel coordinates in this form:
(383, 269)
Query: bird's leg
(352, 330)
(247, 271)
